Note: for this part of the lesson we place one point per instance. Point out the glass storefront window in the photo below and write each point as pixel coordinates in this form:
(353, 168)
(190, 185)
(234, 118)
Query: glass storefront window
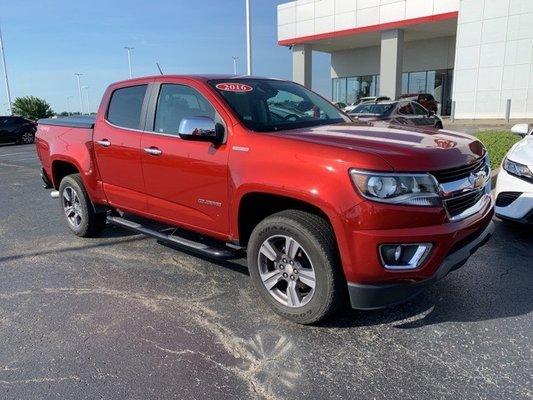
(437, 83)
(339, 90)
(417, 82)
(352, 91)
(405, 82)
(349, 90)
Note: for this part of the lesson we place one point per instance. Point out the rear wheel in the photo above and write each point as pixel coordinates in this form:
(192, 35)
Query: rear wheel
(294, 266)
(78, 209)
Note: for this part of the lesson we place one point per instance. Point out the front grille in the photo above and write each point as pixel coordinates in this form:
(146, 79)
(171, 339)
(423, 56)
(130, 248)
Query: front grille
(455, 174)
(457, 205)
(506, 198)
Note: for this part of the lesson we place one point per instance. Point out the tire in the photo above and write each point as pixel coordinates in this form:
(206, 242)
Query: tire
(317, 250)
(78, 209)
(27, 138)
(438, 125)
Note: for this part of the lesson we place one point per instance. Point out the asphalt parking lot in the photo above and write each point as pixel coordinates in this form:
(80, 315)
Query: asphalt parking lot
(122, 317)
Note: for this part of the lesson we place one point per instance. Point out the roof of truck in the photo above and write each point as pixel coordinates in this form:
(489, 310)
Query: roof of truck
(199, 77)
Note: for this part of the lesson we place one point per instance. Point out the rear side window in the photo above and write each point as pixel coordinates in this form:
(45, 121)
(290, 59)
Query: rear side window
(125, 107)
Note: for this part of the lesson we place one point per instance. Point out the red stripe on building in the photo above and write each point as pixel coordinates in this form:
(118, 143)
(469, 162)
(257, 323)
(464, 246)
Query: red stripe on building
(370, 28)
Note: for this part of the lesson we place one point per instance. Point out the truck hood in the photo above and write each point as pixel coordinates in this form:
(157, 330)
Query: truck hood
(522, 152)
(404, 148)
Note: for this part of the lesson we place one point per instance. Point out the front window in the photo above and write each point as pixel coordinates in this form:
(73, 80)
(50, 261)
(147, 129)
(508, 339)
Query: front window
(177, 102)
(268, 105)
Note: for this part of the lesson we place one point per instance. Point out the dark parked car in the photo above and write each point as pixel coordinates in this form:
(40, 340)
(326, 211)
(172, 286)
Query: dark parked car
(340, 105)
(399, 112)
(17, 129)
(425, 99)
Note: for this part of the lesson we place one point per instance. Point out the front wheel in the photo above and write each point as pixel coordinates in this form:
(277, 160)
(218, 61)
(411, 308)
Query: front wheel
(78, 209)
(294, 266)
(438, 125)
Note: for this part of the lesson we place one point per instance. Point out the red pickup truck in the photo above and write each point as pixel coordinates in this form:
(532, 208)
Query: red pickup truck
(327, 210)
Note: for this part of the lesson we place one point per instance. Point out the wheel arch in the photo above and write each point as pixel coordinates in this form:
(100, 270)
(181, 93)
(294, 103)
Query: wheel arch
(256, 206)
(62, 168)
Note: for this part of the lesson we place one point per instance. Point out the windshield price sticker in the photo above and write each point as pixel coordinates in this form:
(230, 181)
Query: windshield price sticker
(234, 87)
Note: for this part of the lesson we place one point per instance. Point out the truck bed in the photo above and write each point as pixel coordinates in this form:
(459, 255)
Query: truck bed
(71, 122)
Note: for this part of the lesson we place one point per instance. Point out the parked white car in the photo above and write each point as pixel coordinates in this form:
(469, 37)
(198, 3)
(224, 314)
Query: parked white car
(514, 186)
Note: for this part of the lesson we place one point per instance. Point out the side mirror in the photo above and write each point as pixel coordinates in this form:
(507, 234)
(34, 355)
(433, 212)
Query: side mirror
(431, 113)
(201, 129)
(521, 129)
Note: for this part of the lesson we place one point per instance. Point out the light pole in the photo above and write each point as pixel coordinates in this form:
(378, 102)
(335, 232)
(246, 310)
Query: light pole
(248, 39)
(79, 91)
(8, 91)
(235, 58)
(68, 104)
(129, 49)
(86, 88)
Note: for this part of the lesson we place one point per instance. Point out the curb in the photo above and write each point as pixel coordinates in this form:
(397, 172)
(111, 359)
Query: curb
(494, 176)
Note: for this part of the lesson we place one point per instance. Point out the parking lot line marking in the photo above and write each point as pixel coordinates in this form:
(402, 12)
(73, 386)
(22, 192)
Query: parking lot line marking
(25, 159)
(14, 154)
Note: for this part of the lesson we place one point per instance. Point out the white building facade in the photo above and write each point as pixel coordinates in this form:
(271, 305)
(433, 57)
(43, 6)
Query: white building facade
(474, 54)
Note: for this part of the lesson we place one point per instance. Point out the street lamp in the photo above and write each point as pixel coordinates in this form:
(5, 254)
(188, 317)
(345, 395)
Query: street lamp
(248, 39)
(235, 58)
(79, 91)
(68, 104)
(86, 88)
(9, 104)
(129, 49)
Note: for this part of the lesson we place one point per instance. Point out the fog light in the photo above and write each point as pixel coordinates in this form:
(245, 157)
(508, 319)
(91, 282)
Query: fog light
(404, 256)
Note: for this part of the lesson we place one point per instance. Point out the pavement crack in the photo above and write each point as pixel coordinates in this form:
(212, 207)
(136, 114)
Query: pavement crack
(40, 380)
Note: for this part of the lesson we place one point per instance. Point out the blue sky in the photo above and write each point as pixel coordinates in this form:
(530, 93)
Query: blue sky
(47, 41)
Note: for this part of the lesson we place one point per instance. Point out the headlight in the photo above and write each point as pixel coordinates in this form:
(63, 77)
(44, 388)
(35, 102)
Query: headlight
(411, 189)
(517, 169)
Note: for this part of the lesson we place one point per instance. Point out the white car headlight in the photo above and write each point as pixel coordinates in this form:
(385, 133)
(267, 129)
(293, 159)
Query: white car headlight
(410, 189)
(517, 169)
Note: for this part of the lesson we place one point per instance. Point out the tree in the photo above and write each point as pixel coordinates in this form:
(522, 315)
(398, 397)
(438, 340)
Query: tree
(32, 107)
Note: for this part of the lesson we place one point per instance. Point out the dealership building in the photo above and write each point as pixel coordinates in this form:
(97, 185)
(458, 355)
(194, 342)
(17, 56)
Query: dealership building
(474, 56)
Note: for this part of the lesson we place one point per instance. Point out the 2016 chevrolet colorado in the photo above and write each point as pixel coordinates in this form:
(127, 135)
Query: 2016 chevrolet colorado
(326, 209)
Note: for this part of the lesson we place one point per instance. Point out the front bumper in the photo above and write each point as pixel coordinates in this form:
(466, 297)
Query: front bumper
(369, 296)
(522, 208)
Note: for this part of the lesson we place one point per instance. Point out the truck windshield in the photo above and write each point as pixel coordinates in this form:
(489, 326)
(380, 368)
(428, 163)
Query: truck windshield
(267, 105)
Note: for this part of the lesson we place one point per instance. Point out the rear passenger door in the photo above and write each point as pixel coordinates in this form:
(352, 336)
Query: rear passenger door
(186, 181)
(117, 146)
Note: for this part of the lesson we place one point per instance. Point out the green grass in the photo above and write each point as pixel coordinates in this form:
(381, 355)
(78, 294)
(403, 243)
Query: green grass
(498, 144)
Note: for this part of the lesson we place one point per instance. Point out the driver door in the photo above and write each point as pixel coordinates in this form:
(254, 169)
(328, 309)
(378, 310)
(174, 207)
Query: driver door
(186, 181)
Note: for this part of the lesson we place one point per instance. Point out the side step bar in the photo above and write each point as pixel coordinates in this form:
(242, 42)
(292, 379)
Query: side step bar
(173, 240)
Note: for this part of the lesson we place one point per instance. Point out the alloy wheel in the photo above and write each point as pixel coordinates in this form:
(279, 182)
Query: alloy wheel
(286, 271)
(72, 207)
(27, 137)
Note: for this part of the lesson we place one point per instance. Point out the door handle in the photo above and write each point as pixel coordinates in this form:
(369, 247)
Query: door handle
(153, 151)
(104, 142)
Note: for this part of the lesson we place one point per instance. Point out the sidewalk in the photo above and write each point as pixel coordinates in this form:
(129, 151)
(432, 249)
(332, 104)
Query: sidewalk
(476, 125)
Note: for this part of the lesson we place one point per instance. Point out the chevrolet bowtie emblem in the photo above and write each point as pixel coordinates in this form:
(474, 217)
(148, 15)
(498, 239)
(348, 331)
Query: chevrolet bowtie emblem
(477, 179)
